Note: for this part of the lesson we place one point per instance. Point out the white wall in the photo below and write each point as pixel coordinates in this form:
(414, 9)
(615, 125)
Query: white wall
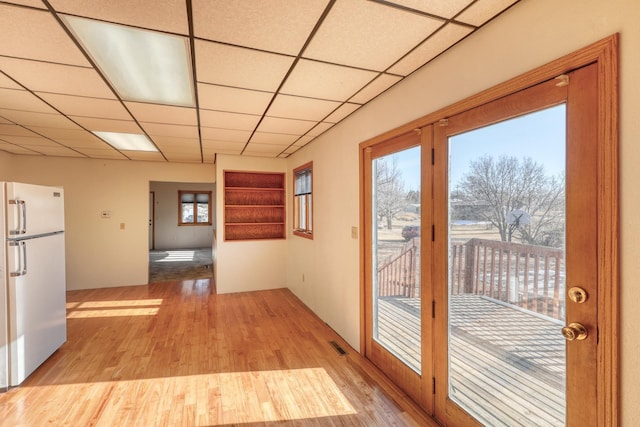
(530, 34)
(248, 265)
(168, 234)
(99, 252)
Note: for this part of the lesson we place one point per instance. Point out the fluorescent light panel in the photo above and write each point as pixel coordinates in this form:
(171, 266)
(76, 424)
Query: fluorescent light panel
(141, 65)
(127, 141)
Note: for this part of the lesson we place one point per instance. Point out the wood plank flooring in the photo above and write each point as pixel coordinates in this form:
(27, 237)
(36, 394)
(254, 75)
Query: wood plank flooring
(507, 365)
(177, 354)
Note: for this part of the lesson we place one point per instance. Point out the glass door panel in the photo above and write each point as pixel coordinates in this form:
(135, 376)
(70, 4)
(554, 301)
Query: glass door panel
(506, 270)
(396, 235)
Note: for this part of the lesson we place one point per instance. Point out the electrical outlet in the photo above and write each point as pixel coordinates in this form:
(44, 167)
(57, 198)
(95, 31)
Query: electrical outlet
(354, 232)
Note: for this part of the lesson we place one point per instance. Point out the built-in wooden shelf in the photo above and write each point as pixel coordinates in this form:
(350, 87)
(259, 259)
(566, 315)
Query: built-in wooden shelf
(254, 205)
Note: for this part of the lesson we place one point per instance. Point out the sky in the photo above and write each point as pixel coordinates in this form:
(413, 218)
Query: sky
(539, 135)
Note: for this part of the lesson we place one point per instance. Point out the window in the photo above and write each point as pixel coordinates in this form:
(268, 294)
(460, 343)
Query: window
(302, 201)
(194, 207)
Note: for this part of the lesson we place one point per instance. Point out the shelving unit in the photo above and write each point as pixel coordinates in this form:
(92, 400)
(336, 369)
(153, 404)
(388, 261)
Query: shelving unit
(254, 205)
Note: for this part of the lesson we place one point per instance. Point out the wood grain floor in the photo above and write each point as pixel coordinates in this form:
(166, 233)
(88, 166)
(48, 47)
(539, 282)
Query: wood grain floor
(177, 354)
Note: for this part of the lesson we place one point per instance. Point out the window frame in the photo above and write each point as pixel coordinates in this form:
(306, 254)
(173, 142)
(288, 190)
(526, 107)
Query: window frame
(308, 203)
(195, 203)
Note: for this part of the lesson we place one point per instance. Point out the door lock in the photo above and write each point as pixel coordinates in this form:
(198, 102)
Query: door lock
(577, 294)
(575, 331)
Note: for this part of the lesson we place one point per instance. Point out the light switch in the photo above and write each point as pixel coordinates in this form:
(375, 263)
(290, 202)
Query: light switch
(105, 214)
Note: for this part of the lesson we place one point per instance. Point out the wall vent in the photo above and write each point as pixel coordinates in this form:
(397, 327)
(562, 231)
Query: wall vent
(339, 349)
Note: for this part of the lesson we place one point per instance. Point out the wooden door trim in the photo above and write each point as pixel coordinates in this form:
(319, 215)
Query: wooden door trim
(605, 54)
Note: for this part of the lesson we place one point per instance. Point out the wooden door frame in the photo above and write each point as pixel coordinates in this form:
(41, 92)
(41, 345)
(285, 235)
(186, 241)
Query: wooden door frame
(605, 54)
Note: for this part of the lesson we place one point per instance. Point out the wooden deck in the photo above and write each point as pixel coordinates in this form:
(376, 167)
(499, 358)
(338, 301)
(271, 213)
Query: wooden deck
(506, 363)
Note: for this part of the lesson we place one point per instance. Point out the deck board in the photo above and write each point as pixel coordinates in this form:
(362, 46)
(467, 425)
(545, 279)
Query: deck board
(507, 364)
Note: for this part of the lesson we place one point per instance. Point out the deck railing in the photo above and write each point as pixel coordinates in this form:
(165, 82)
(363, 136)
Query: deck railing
(398, 275)
(527, 276)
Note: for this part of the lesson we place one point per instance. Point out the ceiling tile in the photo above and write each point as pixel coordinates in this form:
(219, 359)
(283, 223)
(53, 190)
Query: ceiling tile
(230, 135)
(168, 142)
(59, 151)
(342, 112)
(167, 15)
(273, 138)
(29, 118)
(483, 10)
(31, 3)
(11, 129)
(264, 150)
(446, 8)
(107, 125)
(318, 130)
(435, 45)
(56, 78)
(290, 126)
(43, 38)
(225, 147)
(181, 157)
(178, 131)
(16, 149)
(239, 67)
(232, 100)
(220, 119)
(301, 108)
(101, 153)
(23, 101)
(87, 107)
(326, 81)
(145, 155)
(155, 113)
(375, 88)
(304, 140)
(376, 34)
(6, 82)
(28, 141)
(273, 25)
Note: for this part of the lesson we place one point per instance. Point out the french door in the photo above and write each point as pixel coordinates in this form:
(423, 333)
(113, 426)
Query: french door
(481, 258)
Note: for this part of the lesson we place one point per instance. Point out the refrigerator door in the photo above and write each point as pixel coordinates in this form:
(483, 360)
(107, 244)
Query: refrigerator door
(32, 210)
(37, 302)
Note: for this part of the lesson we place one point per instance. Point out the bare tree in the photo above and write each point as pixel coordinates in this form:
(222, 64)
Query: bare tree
(390, 195)
(491, 190)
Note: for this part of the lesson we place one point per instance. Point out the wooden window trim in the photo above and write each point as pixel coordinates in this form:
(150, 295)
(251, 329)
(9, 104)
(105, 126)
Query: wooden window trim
(310, 216)
(195, 216)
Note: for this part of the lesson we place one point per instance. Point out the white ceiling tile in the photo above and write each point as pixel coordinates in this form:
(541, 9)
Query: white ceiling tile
(273, 25)
(435, 45)
(16, 149)
(31, 3)
(5, 121)
(220, 119)
(43, 38)
(290, 126)
(179, 157)
(230, 135)
(376, 35)
(107, 125)
(342, 112)
(304, 140)
(56, 78)
(212, 146)
(326, 81)
(318, 130)
(101, 153)
(178, 131)
(151, 156)
(29, 118)
(375, 88)
(155, 113)
(273, 138)
(28, 141)
(254, 149)
(483, 10)
(59, 151)
(446, 8)
(168, 142)
(239, 67)
(23, 101)
(166, 15)
(11, 129)
(301, 108)
(87, 107)
(232, 100)
(6, 82)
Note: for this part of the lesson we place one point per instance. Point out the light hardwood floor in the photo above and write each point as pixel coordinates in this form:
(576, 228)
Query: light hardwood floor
(177, 354)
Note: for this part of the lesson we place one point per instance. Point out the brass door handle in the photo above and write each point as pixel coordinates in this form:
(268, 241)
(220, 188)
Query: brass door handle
(575, 331)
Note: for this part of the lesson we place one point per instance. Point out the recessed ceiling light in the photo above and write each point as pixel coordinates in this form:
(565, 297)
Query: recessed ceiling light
(127, 141)
(141, 65)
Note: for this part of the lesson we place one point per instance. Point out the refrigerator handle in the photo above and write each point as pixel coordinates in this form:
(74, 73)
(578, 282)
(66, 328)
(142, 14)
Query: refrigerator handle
(22, 224)
(22, 260)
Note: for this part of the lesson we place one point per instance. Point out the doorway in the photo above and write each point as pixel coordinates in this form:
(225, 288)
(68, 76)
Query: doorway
(505, 308)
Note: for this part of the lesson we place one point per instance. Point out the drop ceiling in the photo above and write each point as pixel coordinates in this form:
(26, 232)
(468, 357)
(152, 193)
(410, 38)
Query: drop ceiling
(269, 75)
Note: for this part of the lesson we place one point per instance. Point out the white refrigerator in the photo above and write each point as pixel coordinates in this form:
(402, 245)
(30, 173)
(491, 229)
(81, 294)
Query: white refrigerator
(32, 279)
